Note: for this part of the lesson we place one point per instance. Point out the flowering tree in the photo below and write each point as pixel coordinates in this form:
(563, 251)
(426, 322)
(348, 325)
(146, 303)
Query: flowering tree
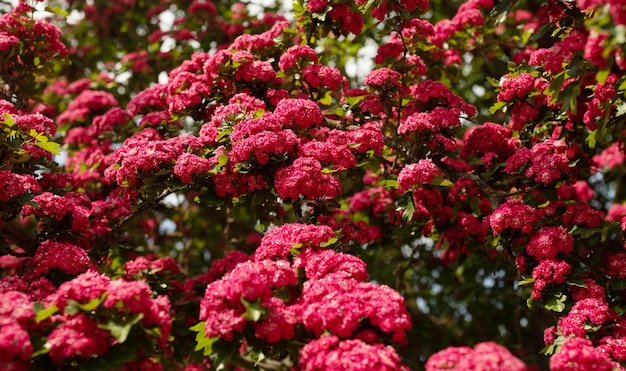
(190, 185)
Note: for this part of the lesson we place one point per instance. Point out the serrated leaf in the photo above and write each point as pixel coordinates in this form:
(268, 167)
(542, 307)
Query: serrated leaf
(591, 139)
(548, 350)
(556, 303)
(202, 342)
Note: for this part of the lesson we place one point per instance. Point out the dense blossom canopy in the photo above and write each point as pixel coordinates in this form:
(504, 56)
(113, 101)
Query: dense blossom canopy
(338, 185)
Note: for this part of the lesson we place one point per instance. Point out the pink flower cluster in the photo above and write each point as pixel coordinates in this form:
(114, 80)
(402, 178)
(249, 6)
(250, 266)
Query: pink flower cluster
(611, 156)
(330, 353)
(297, 56)
(319, 263)
(16, 315)
(42, 37)
(298, 113)
(75, 206)
(141, 266)
(282, 241)
(553, 59)
(257, 140)
(305, 177)
(334, 297)
(348, 20)
(467, 15)
(422, 172)
(489, 142)
(514, 214)
(79, 334)
(87, 103)
(549, 161)
(578, 354)
(434, 109)
(515, 87)
(63, 256)
(340, 305)
(547, 242)
(548, 272)
(484, 356)
(146, 151)
(594, 311)
(13, 185)
(223, 310)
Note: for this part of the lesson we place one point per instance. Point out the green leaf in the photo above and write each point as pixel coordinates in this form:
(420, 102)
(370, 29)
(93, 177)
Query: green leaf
(331, 241)
(496, 107)
(91, 304)
(543, 30)
(51, 147)
(254, 310)
(365, 7)
(121, 330)
(297, 6)
(555, 87)
(556, 303)
(222, 160)
(389, 183)
(223, 352)
(407, 204)
(501, 11)
(44, 313)
(57, 10)
(352, 101)
(602, 75)
(548, 350)
(591, 139)
(474, 203)
(8, 120)
(442, 182)
(257, 357)
(202, 342)
(327, 99)
(525, 282)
